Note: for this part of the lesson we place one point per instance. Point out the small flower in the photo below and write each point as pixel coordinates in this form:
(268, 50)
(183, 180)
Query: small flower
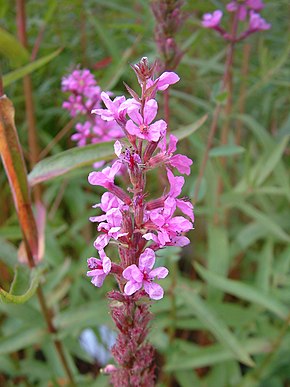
(106, 177)
(141, 126)
(257, 23)
(143, 275)
(114, 110)
(212, 20)
(99, 268)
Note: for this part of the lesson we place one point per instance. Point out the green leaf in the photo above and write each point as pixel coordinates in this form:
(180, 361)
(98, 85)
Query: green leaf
(22, 339)
(244, 291)
(271, 161)
(29, 68)
(216, 326)
(218, 256)
(15, 299)
(12, 49)
(265, 221)
(185, 356)
(74, 158)
(226, 151)
(71, 159)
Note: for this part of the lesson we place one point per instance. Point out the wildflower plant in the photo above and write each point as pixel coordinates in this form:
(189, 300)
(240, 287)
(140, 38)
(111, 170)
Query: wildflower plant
(136, 223)
(85, 95)
(247, 11)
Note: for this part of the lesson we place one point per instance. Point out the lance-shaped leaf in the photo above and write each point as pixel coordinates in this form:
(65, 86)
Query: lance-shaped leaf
(15, 169)
(21, 299)
(74, 158)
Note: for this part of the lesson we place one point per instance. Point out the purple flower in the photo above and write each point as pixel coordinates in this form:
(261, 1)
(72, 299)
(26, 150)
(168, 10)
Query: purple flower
(212, 20)
(141, 126)
(242, 9)
(74, 105)
(168, 228)
(143, 275)
(106, 177)
(114, 109)
(257, 23)
(83, 133)
(79, 81)
(99, 268)
(180, 162)
(163, 82)
(176, 183)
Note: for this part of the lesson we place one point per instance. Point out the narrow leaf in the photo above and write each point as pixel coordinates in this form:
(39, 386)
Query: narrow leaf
(29, 68)
(216, 326)
(12, 49)
(194, 357)
(12, 157)
(74, 158)
(22, 339)
(10, 298)
(226, 151)
(271, 161)
(244, 291)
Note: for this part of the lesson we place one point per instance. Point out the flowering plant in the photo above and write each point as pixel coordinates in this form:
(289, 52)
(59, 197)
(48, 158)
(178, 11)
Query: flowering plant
(131, 222)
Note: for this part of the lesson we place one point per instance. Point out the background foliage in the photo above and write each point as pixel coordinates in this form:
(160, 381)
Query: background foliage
(225, 318)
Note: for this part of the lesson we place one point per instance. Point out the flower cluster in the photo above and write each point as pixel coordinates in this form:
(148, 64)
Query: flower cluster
(140, 227)
(246, 10)
(85, 95)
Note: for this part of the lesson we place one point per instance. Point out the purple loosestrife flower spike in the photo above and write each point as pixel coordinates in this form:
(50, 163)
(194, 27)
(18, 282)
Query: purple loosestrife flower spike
(143, 275)
(130, 222)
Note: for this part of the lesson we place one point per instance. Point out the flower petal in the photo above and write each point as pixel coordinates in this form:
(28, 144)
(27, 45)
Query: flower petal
(132, 272)
(154, 291)
(147, 259)
(159, 272)
(132, 287)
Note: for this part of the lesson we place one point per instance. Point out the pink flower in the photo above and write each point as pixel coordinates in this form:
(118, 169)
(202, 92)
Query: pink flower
(242, 9)
(168, 228)
(176, 184)
(79, 81)
(180, 162)
(74, 105)
(143, 275)
(212, 20)
(99, 268)
(141, 126)
(162, 83)
(106, 177)
(114, 109)
(83, 133)
(257, 23)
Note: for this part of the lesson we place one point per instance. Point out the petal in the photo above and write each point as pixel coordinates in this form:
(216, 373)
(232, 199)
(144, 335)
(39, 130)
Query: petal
(97, 178)
(101, 241)
(172, 144)
(132, 128)
(154, 291)
(159, 272)
(186, 208)
(176, 184)
(132, 287)
(150, 111)
(156, 131)
(107, 264)
(181, 163)
(166, 79)
(134, 114)
(147, 259)
(118, 148)
(98, 280)
(132, 272)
